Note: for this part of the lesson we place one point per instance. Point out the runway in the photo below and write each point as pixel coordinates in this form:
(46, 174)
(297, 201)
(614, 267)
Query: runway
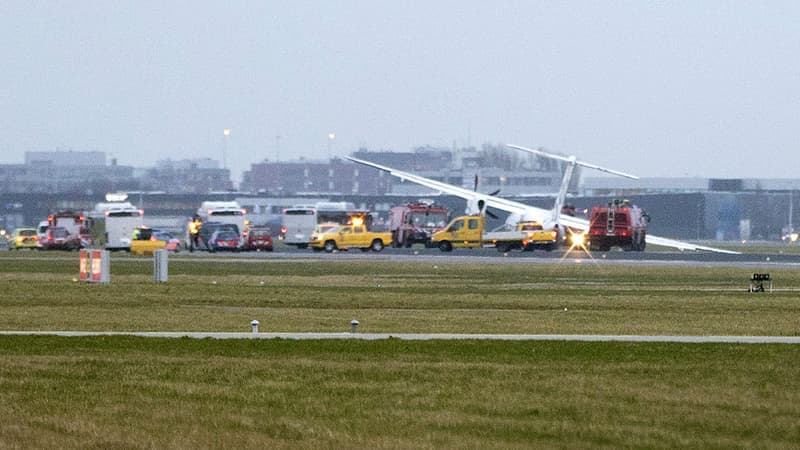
(426, 337)
(491, 256)
(754, 261)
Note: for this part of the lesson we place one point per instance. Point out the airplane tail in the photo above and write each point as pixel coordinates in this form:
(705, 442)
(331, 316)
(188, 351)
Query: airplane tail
(571, 161)
(555, 216)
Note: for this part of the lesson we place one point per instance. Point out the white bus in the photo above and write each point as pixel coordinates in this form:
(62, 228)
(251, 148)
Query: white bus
(299, 222)
(111, 224)
(225, 212)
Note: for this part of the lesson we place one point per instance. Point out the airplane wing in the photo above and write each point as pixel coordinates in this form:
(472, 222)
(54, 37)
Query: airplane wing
(583, 224)
(573, 160)
(680, 245)
(523, 209)
(492, 201)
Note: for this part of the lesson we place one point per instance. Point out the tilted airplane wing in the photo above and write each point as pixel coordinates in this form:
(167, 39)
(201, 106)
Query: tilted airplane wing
(523, 209)
(492, 201)
(583, 224)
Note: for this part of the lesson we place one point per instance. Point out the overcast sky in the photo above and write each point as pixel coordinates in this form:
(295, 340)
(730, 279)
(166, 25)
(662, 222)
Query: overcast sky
(705, 88)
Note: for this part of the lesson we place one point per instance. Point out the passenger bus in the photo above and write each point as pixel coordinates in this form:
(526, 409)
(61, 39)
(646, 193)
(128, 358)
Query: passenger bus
(110, 224)
(227, 213)
(299, 222)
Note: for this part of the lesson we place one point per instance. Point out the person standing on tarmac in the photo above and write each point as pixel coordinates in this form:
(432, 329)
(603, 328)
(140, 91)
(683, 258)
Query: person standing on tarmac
(194, 233)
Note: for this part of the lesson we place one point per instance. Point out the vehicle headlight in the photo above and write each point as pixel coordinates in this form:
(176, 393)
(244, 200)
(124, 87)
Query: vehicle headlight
(577, 239)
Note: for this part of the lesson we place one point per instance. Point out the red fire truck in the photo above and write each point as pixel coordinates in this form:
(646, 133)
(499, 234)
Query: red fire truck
(65, 229)
(416, 222)
(619, 224)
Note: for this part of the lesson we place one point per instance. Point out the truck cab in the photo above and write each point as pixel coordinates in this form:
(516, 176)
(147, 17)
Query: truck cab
(469, 232)
(415, 223)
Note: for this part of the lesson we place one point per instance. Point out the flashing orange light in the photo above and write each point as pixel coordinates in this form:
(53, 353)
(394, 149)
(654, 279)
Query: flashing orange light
(553, 234)
(358, 221)
(283, 230)
(141, 212)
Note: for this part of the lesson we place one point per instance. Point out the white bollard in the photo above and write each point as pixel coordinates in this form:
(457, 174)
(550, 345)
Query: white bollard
(254, 325)
(354, 326)
(160, 266)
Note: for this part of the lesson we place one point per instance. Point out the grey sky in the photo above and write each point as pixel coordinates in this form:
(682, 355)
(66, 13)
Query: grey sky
(708, 88)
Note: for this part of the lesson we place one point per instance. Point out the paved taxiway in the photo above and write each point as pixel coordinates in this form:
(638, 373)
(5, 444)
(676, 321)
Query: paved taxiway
(491, 256)
(424, 337)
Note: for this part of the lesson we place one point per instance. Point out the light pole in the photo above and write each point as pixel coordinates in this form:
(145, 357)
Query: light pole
(331, 137)
(226, 134)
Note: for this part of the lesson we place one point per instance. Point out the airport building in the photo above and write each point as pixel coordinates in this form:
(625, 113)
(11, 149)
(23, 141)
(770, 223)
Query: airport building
(494, 168)
(683, 208)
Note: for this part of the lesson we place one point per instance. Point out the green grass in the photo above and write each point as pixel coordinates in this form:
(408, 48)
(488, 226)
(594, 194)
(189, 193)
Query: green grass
(308, 296)
(127, 392)
(151, 393)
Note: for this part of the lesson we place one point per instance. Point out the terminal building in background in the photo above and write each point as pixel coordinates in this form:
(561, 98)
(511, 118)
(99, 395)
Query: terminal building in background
(494, 167)
(74, 172)
(683, 208)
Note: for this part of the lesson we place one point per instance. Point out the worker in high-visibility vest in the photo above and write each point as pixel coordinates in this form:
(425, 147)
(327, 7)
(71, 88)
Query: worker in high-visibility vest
(194, 233)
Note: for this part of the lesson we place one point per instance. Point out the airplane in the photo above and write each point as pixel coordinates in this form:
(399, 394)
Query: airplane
(552, 221)
(477, 203)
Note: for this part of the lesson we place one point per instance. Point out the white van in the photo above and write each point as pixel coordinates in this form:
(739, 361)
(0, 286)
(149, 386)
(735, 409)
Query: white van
(41, 232)
(297, 224)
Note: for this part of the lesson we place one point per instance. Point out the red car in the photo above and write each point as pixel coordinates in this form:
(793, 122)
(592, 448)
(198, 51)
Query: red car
(259, 239)
(224, 240)
(171, 243)
(58, 238)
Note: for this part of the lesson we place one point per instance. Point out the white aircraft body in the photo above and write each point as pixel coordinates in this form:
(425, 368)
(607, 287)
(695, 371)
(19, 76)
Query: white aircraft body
(478, 202)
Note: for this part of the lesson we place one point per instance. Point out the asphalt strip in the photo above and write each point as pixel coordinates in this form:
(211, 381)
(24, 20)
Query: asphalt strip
(425, 337)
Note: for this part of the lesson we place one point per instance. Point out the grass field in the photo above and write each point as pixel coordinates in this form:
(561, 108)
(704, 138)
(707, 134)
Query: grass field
(127, 392)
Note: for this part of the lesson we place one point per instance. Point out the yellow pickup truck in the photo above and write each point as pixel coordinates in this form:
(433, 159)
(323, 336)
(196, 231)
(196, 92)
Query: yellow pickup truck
(343, 237)
(469, 232)
(536, 237)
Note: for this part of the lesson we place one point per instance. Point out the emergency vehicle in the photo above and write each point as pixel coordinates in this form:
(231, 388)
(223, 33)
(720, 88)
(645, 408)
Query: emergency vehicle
(299, 222)
(415, 223)
(619, 224)
(71, 221)
(469, 232)
(354, 235)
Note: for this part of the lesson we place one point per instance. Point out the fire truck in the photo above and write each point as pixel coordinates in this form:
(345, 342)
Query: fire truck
(74, 234)
(619, 224)
(416, 222)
